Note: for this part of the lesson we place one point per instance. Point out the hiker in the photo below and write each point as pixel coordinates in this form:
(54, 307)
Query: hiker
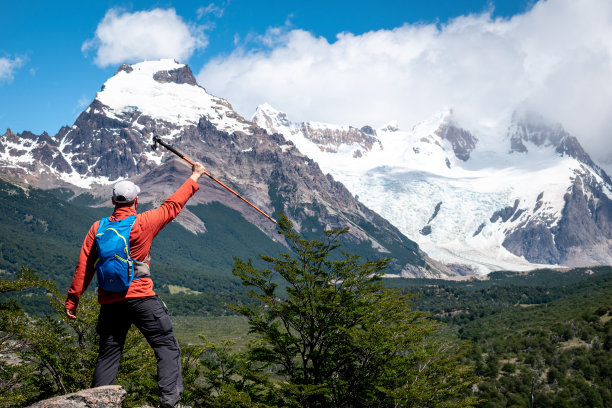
(124, 303)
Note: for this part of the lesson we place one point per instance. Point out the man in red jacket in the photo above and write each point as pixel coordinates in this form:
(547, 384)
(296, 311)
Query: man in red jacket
(138, 304)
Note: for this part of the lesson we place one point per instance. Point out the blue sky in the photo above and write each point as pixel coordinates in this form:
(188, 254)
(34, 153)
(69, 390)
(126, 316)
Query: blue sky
(53, 79)
(344, 62)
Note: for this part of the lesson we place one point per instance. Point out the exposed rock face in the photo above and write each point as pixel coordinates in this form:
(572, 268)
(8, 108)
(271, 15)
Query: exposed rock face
(582, 236)
(368, 130)
(327, 139)
(103, 146)
(110, 396)
(330, 140)
(586, 226)
(30, 155)
(178, 76)
(124, 67)
(533, 129)
(535, 242)
(535, 132)
(463, 142)
(505, 213)
(583, 233)
(435, 213)
(426, 230)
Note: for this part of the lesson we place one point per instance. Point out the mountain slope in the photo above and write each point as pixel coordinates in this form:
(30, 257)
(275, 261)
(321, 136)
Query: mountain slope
(533, 198)
(110, 140)
(39, 219)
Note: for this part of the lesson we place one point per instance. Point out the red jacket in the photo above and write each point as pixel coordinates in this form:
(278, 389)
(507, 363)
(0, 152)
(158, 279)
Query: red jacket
(146, 227)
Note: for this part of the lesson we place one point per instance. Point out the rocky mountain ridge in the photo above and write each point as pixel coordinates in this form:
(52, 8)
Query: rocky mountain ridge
(110, 140)
(327, 138)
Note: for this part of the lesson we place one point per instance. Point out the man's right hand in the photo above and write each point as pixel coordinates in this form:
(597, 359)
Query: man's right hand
(196, 171)
(71, 313)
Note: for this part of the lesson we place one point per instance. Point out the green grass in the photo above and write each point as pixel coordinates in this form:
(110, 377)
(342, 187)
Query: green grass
(215, 328)
(176, 290)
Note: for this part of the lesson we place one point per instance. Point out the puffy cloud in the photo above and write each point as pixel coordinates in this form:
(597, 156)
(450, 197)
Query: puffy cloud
(556, 58)
(132, 37)
(8, 67)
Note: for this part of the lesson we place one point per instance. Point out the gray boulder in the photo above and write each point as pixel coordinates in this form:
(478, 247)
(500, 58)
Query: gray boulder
(109, 396)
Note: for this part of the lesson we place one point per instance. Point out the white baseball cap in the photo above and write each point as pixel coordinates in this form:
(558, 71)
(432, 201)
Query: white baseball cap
(125, 192)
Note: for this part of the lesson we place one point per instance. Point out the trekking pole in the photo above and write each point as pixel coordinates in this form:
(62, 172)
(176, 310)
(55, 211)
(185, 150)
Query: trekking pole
(157, 140)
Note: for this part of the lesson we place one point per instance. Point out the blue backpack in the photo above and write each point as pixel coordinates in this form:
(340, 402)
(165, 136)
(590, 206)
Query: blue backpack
(115, 266)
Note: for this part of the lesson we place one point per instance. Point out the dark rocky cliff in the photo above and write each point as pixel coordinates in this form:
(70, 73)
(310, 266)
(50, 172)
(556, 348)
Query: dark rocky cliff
(583, 233)
(463, 142)
(582, 236)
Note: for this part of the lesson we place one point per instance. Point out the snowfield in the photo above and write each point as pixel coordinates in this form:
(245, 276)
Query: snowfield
(414, 180)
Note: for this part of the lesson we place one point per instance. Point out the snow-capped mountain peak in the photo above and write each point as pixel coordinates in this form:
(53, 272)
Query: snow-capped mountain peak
(166, 90)
(342, 139)
(270, 117)
(391, 126)
(151, 98)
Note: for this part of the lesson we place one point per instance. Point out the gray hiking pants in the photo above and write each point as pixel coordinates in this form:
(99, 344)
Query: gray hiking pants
(154, 323)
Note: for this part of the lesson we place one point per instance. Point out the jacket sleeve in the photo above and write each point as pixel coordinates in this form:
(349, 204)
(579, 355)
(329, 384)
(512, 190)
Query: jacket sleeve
(153, 221)
(84, 271)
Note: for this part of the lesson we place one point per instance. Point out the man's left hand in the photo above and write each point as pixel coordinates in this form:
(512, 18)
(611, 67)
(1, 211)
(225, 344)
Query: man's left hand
(71, 313)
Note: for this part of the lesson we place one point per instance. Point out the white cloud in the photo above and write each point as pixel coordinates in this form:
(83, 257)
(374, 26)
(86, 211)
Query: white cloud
(555, 58)
(143, 35)
(211, 9)
(8, 67)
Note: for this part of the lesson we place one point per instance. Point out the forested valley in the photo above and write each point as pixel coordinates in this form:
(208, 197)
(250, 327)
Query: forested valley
(536, 339)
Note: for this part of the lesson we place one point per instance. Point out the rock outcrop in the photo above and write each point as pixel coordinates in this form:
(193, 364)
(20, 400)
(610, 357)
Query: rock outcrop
(110, 396)
(463, 142)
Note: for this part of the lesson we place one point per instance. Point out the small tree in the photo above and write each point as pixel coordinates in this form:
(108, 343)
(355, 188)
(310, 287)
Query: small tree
(338, 337)
(54, 355)
(217, 377)
(17, 384)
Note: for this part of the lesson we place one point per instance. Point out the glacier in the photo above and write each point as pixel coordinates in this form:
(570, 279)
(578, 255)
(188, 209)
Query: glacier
(447, 205)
